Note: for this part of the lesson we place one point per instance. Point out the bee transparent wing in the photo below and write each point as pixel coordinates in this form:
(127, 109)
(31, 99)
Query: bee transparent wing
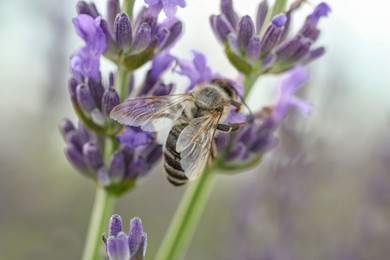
(151, 113)
(195, 142)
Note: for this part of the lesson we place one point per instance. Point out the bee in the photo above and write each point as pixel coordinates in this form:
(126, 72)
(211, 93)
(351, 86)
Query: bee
(196, 116)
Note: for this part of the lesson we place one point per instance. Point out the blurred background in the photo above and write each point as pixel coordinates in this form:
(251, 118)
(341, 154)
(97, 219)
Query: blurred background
(324, 193)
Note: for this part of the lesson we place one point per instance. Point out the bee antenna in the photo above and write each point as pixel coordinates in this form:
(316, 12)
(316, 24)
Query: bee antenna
(245, 104)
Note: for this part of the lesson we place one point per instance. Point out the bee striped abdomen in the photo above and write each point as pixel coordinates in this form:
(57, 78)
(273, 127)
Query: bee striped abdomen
(172, 164)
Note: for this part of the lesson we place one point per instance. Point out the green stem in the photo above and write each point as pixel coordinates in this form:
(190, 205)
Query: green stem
(123, 76)
(101, 212)
(249, 82)
(183, 225)
(98, 224)
(128, 6)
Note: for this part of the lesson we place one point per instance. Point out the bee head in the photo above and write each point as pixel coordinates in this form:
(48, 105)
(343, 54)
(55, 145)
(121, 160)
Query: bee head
(227, 86)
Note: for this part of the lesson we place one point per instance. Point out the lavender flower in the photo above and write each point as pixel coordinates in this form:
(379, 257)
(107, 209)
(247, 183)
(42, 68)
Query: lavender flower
(257, 136)
(120, 246)
(137, 154)
(252, 48)
(169, 6)
(85, 61)
(133, 43)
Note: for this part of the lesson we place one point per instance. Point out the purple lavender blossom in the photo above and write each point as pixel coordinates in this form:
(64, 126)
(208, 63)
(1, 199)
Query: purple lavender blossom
(257, 136)
(169, 6)
(137, 154)
(199, 72)
(85, 61)
(196, 70)
(249, 43)
(134, 136)
(120, 246)
(132, 43)
(153, 84)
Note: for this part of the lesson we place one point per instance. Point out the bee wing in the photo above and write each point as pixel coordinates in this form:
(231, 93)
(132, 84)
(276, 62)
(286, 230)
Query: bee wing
(151, 113)
(194, 144)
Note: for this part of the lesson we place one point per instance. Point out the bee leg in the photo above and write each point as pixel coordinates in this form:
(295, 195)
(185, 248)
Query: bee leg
(236, 104)
(229, 127)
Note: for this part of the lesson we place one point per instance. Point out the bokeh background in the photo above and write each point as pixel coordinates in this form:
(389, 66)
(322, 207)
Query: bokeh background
(324, 193)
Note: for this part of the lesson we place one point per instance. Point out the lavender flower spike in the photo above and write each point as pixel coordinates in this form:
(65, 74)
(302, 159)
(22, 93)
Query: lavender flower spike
(120, 246)
(169, 6)
(257, 136)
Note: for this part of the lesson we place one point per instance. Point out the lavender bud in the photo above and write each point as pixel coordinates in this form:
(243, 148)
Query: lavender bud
(268, 61)
(123, 31)
(174, 33)
(89, 9)
(117, 166)
(65, 127)
(162, 36)
(245, 31)
(84, 98)
(96, 88)
(110, 100)
(93, 156)
(221, 27)
(253, 51)
(143, 37)
(76, 159)
(314, 54)
(75, 140)
(288, 48)
(83, 132)
(262, 11)
(273, 33)
(113, 8)
(115, 225)
(137, 239)
(228, 11)
(302, 51)
(72, 85)
(108, 33)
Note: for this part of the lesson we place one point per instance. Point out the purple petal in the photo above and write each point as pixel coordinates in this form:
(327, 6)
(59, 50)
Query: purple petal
(279, 20)
(122, 247)
(135, 137)
(90, 31)
(291, 82)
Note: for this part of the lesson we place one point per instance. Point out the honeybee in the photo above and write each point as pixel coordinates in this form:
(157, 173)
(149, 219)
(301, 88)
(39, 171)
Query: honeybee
(196, 116)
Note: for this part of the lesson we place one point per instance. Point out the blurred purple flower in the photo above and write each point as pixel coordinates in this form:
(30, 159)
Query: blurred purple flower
(257, 135)
(137, 154)
(120, 246)
(169, 6)
(85, 61)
